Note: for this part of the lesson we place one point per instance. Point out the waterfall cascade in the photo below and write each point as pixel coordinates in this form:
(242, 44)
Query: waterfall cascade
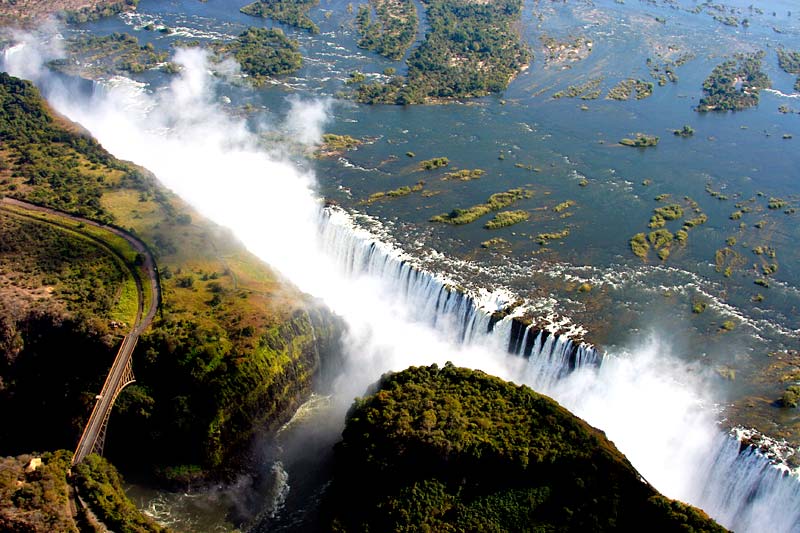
(736, 483)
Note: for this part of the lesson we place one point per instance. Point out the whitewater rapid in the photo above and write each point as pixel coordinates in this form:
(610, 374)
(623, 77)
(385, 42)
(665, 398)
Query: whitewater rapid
(650, 404)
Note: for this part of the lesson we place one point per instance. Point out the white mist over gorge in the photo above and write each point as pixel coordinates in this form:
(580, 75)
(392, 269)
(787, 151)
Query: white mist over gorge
(657, 409)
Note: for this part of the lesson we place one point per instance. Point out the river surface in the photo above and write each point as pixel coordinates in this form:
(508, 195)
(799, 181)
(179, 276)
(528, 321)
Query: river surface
(566, 150)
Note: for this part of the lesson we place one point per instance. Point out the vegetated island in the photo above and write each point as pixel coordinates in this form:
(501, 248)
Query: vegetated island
(473, 48)
(663, 70)
(32, 12)
(405, 190)
(261, 53)
(559, 52)
(451, 449)
(503, 219)
(789, 61)
(588, 90)
(626, 88)
(291, 12)
(434, 163)
(464, 175)
(640, 141)
(334, 144)
(98, 55)
(394, 30)
(661, 239)
(734, 85)
(496, 202)
(231, 355)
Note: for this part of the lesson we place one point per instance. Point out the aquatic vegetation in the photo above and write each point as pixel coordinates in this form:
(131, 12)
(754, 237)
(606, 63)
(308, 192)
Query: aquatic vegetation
(410, 154)
(507, 218)
(791, 397)
(702, 218)
(698, 307)
(625, 89)
(734, 84)
(641, 141)
(664, 70)
(726, 259)
(639, 245)
(496, 242)
(585, 287)
(685, 131)
(736, 215)
(356, 77)
(544, 238)
(669, 212)
(291, 12)
(662, 197)
(563, 206)
(405, 190)
(660, 238)
(393, 31)
(563, 51)
(777, 203)
(495, 202)
(656, 221)
(464, 175)
(589, 90)
(436, 162)
(681, 236)
(333, 144)
(728, 325)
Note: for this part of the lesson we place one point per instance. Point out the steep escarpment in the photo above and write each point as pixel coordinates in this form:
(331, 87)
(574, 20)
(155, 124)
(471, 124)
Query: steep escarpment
(233, 351)
(451, 449)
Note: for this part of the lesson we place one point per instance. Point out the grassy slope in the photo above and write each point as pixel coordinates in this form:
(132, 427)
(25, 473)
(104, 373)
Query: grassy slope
(451, 449)
(231, 335)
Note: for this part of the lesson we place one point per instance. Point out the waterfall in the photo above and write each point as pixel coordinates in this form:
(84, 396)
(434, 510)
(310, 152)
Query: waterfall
(735, 483)
(740, 488)
(442, 305)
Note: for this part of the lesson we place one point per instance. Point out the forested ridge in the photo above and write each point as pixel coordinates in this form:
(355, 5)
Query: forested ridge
(452, 449)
